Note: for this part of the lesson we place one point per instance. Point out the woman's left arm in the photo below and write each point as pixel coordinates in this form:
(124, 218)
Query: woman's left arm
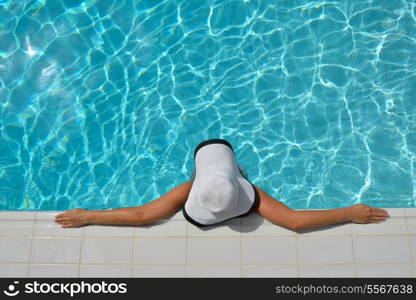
(278, 213)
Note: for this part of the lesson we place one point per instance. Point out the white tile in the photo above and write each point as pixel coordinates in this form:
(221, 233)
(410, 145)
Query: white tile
(410, 211)
(202, 251)
(325, 250)
(106, 250)
(337, 229)
(15, 249)
(396, 224)
(327, 271)
(411, 219)
(16, 228)
(17, 215)
(412, 241)
(256, 225)
(162, 228)
(46, 226)
(396, 212)
(53, 271)
(105, 271)
(402, 270)
(13, 270)
(227, 228)
(214, 271)
(159, 251)
(16, 223)
(47, 216)
(380, 249)
(269, 250)
(166, 271)
(265, 230)
(102, 230)
(55, 250)
(178, 216)
(254, 219)
(270, 271)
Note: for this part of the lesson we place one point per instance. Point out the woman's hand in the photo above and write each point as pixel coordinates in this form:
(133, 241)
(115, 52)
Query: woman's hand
(73, 218)
(361, 213)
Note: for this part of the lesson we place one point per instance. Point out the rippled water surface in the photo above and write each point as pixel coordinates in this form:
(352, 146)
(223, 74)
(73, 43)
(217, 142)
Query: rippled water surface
(102, 102)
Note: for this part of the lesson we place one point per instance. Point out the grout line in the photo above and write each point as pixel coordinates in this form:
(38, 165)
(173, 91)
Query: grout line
(413, 258)
(80, 252)
(208, 265)
(132, 253)
(297, 257)
(31, 244)
(187, 250)
(407, 222)
(410, 243)
(241, 253)
(353, 255)
(202, 236)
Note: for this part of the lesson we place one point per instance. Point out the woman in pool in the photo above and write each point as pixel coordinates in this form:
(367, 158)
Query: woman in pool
(219, 191)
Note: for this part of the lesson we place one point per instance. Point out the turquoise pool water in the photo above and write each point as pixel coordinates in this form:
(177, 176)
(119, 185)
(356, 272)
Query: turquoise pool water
(102, 102)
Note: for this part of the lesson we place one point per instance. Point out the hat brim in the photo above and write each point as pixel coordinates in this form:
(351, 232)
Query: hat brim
(218, 152)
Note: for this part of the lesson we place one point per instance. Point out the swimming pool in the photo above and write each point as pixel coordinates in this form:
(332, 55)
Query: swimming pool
(102, 102)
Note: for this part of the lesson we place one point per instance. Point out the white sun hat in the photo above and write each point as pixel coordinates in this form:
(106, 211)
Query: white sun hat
(220, 191)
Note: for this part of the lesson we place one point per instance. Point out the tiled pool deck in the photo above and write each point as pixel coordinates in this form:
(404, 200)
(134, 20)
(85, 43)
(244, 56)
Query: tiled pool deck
(33, 245)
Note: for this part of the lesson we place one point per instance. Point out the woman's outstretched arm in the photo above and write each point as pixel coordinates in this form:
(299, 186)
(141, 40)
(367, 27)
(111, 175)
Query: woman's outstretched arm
(151, 212)
(278, 213)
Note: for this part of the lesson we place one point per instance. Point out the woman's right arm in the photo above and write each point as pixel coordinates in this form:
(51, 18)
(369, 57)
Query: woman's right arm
(151, 212)
(278, 213)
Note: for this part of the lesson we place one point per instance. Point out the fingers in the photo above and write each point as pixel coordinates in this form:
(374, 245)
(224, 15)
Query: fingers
(377, 216)
(62, 220)
(60, 217)
(378, 219)
(67, 224)
(379, 212)
(64, 224)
